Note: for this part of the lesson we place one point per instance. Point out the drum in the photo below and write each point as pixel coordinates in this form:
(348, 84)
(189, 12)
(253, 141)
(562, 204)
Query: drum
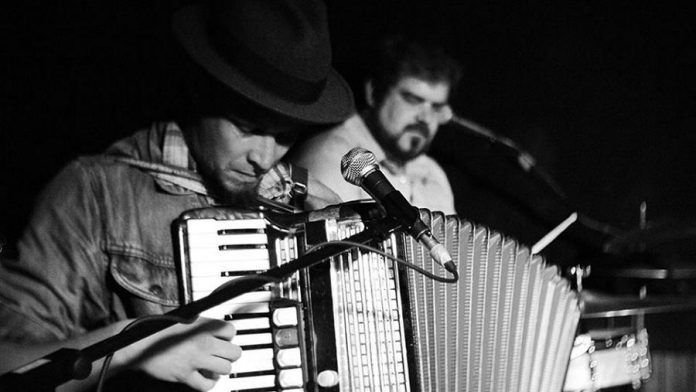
(608, 358)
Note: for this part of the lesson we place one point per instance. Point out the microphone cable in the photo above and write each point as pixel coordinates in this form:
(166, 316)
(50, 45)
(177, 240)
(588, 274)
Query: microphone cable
(351, 244)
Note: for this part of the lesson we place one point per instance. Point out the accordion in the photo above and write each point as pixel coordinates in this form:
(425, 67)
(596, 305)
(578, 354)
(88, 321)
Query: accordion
(362, 322)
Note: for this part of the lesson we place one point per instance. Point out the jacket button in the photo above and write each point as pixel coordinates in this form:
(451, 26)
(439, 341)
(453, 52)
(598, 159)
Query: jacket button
(156, 289)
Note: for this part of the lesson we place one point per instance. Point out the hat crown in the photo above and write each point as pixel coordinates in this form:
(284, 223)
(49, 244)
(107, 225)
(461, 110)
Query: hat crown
(291, 36)
(276, 53)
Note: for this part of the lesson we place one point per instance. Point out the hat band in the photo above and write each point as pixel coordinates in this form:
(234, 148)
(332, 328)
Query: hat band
(272, 79)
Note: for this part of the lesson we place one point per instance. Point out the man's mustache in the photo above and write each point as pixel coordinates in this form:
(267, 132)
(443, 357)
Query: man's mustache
(420, 128)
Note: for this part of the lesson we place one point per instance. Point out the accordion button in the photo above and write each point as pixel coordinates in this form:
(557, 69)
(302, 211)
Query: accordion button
(289, 357)
(290, 378)
(286, 337)
(285, 316)
(327, 379)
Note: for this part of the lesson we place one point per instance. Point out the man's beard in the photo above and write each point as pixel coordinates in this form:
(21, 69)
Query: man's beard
(241, 196)
(417, 146)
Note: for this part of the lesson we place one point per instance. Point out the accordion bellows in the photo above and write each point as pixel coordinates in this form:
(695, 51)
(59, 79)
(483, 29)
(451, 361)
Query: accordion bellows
(507, 325)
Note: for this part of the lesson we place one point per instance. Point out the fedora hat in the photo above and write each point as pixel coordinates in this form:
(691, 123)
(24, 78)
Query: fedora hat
(276, 53)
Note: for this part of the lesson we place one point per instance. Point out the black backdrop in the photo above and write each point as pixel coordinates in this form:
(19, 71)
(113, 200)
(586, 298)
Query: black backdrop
(600, 93)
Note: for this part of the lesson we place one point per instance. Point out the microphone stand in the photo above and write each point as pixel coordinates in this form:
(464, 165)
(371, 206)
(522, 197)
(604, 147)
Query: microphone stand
(524, 159)
(63, 365)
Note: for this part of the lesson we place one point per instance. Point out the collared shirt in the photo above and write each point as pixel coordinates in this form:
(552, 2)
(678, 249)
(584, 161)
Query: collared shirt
(421, 180)
(98, 246)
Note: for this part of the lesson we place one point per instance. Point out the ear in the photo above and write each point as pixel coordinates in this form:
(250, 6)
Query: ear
(369, 94)
(446, 115)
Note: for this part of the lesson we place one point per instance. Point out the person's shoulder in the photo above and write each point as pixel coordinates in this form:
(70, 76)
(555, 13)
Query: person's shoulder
(342, 133)
(325, 143)
(100, 171)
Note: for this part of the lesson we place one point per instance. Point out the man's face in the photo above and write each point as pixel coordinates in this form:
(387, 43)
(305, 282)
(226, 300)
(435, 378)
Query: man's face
(233, 153)
(409, 116)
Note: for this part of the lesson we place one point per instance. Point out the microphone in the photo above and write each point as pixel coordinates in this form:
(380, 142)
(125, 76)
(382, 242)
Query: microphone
(359, 167)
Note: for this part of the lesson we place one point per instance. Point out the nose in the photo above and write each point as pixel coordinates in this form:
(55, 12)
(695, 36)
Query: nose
(427, 114)
(262, 153)
(434, 116)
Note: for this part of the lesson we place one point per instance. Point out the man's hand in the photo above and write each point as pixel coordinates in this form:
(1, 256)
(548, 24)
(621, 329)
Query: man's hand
(195, 354)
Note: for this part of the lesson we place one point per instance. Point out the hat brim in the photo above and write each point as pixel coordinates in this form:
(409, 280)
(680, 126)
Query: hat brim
(334, 104)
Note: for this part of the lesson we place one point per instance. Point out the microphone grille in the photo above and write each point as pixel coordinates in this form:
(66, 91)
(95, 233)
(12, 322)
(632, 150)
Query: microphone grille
(356, 163)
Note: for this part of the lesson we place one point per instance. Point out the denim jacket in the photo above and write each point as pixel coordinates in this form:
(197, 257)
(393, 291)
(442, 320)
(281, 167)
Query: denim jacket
(98, 247)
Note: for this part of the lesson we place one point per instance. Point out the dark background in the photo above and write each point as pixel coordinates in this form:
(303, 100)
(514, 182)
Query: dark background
(600, 93)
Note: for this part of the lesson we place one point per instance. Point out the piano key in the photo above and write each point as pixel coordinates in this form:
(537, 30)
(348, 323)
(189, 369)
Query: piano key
(243, 383)
(247, 366)
(213, 226)
(256, 355)
(254, 296)
(252, 339)
(229, 307)
(211, 283)
(254, 323)
(214, 260)
(215, 240)
(242, 256)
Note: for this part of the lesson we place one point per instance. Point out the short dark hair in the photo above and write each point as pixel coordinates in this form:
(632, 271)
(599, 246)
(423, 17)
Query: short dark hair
(397, 57)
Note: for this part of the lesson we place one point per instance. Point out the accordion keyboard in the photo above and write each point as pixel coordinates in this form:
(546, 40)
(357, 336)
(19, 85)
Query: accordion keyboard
(268, 321)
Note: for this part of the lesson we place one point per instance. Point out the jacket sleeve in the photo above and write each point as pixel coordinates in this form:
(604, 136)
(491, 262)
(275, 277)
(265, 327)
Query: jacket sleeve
(57, 286)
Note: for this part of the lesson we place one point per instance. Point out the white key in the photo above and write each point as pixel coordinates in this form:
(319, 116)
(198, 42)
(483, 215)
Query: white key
(229, 307)
(231, 255)
(242, 383)
(215, 240)
(241, 366)
(253, 339)
(234, 260)
(197, 226)
(253, 323)
(254, 296)
(210, 283)
(256, 355)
